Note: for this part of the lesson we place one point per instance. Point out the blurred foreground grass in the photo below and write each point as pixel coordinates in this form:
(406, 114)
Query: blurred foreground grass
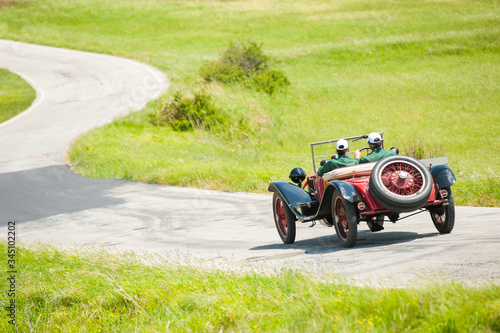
(98, 291)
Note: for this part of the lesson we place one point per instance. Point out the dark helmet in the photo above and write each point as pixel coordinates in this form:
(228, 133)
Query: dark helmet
(297, 175)
(395, 149)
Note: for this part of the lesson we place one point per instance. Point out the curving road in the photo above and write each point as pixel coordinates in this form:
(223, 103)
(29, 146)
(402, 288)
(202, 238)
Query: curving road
(77, 91)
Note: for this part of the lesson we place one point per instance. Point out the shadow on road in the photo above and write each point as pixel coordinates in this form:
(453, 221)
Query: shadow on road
(366, 239)
(33, 194)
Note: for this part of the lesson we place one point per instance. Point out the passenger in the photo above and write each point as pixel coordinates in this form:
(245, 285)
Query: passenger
(341, 161)
(378, 153)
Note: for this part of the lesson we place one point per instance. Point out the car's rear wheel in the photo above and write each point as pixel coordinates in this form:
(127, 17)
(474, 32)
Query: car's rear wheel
(284, 219)
(400, 183)
(443, 217)
(345, 221)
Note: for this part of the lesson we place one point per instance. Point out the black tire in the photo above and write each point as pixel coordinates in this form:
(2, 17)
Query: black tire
(400, 184)
(376, 224)
(345, 221)
(443, 217)
(284, 219)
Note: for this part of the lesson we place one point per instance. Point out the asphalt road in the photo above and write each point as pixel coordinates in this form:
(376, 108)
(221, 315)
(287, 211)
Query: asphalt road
(78, 91)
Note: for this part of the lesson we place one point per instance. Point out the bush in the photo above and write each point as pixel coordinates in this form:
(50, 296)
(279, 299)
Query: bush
(419, 149)
(270, 81)
(237, 63)
(183, 113)
(245, 63)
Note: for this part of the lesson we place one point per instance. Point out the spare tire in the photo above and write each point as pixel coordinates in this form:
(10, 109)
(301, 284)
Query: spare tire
(400, 183)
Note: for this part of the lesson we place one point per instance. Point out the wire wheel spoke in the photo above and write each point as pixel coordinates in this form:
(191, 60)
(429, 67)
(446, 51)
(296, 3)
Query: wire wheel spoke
(281, 217)
(402, 179)
(439, 218)
(341, 218)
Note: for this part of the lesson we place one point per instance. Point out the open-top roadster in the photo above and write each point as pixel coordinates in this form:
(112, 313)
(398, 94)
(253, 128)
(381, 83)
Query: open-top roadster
(369, 192)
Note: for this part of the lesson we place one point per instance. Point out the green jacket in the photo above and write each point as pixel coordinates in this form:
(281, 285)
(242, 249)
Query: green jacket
(341, 161)
(376, 155)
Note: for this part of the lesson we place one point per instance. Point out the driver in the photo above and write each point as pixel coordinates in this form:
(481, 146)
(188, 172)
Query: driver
(375, 142)
(342, 161)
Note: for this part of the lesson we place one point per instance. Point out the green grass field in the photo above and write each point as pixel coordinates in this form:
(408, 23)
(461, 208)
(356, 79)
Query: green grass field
(421, 71)
(16, 95)
(97, 291)
(424, 72)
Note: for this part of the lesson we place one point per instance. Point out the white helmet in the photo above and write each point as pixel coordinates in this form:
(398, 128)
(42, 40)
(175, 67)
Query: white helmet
(374, 138)
(342, 144)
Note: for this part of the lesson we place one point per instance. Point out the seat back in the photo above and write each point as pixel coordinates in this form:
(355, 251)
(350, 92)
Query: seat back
(351, 171)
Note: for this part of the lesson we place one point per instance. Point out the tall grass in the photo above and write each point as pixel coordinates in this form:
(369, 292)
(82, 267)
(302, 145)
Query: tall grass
(410, 69)
(15, 95)
(97, 291)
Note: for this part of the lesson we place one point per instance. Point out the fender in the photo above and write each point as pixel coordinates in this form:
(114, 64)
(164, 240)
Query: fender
(346, 190)
(443, 176)
(293, 196)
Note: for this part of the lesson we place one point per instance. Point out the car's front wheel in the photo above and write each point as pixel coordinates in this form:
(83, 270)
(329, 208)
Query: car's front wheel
(443, 217)
(284, 219)
(345, 221)
(376, 223)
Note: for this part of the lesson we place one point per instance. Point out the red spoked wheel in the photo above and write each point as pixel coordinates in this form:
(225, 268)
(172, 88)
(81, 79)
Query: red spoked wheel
(400, 183)
(402, 178)
(344, 217)
(284, 219)
(443, 216)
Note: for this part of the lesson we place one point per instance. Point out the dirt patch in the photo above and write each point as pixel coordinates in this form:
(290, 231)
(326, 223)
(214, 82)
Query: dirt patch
(10, 3)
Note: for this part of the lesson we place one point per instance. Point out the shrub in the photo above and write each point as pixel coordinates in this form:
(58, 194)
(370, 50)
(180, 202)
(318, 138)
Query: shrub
(183, 113)
(237, 63)
(419, 149)
(245, 63)
(270, 81)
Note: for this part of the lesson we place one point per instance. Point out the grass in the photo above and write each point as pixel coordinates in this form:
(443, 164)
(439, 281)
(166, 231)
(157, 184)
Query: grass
(426, 69)
(97, 291)
(15, 95)
(409, 68)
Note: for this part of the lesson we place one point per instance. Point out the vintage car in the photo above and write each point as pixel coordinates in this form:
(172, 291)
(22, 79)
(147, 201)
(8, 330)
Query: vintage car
(370, 192)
